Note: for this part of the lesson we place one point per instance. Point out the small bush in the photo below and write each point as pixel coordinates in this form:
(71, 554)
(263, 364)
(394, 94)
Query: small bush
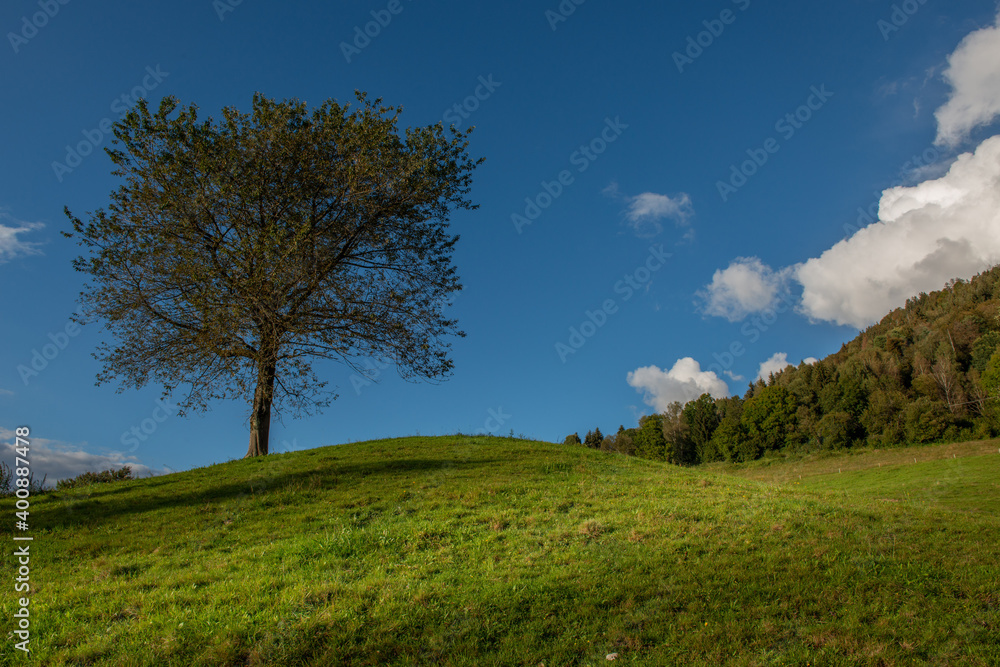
(104, 477)
(8, 482)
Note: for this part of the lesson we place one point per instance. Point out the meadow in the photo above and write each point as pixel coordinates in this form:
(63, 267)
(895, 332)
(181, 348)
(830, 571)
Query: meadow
(468, 550)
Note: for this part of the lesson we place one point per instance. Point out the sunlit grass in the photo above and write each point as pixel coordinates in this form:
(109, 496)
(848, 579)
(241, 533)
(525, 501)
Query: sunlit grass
(793, 467)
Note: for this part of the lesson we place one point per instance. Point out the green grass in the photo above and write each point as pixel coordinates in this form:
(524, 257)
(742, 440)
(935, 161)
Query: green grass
(962, 476)
(966, 484)
(795, 467)
(486, 551)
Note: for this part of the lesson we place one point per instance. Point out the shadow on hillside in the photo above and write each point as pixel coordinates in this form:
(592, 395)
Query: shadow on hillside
(79, 507)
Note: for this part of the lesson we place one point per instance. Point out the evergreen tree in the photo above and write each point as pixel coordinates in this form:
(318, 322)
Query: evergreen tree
(649, 441)
(593, 439)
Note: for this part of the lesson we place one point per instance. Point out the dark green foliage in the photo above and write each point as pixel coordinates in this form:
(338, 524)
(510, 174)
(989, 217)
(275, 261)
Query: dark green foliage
(837, 430)
(768, 418)
(884, 418)
(983, 349)
(987, 390)
(991, 376)
(846, 394)
(702, 418)
(927, 420)
(573, 439)
(593, 439)
(727, 437)
(649, 441)
(104, 477)
(726, 441)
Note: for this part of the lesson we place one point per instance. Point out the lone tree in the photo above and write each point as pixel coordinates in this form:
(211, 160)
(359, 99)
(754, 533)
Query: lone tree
(235, 252)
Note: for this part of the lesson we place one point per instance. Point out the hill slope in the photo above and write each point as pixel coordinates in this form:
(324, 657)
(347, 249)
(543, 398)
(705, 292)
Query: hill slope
(472, 551)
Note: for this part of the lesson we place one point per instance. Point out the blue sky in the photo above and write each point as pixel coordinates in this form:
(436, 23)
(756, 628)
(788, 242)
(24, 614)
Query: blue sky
(670, 203)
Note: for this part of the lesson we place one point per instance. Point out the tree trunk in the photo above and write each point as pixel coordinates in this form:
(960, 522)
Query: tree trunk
(260, 418)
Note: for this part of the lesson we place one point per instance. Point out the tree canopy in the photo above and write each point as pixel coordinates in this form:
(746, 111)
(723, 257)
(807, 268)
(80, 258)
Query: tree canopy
(235, 252)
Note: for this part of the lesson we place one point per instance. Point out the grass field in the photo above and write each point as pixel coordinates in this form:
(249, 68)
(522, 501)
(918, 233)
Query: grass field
(959, 476)
(490, 551)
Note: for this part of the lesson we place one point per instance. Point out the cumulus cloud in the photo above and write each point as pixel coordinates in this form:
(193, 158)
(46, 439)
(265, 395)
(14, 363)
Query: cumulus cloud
(926, 235)
(10, 245)
(57, 460)
(746, 286)
(684, 382)
(974, 74)
(777, 363)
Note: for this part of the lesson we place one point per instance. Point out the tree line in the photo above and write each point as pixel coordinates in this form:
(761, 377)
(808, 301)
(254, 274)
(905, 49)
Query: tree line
(928, 372)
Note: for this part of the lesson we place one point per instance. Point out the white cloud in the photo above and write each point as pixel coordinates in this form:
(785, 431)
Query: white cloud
(733, 376)
(644, 213)
(652, 205)
(57, 460)
(777, 363)
(974, 75)
(10, 245)
(926, 235)
(6, 392)
(746, 286)
(684, 382)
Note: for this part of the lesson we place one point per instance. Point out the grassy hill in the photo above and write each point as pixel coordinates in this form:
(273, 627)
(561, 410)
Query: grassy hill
(489, 551)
